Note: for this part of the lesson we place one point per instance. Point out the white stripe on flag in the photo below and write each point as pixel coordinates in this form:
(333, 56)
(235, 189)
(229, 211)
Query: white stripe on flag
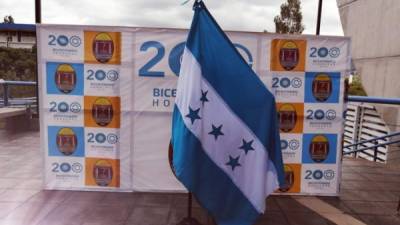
(256, 177)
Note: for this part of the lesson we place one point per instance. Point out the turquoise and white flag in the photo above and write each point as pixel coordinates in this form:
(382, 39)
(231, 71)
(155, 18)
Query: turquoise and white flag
(225, 137)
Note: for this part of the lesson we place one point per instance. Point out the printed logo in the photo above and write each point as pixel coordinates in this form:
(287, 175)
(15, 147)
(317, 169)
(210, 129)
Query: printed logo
(103, 47)
(66, 167)
(288, 87)
(319, 148)
(66, 141)
(289, 55)
(322, 87)
(287, 117)
(289, 179)
(334, 52)
(291, 144)
(65, 78)
(63, 40)
(319, 178)
(319, 175)
(323, 120)
(102, 111)
(103, 172)
(64, 107)
(323, 52)
(101, 80)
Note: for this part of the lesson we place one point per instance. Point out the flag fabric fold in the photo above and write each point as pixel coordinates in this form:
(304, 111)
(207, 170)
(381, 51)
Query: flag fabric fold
(225, 136)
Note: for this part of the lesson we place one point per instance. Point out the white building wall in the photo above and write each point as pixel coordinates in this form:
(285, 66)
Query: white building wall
(26, 41)
(374, 28)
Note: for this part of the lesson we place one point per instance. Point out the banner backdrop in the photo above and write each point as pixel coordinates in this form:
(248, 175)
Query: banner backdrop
(107, 94)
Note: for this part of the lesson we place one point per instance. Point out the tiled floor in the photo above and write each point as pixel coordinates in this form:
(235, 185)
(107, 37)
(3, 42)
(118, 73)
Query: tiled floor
(369, 195)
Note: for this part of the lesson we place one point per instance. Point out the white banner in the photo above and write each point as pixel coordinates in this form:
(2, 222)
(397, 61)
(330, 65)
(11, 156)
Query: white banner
(107, 94)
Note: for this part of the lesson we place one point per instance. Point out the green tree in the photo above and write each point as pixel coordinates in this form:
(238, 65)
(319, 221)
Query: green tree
(290, 19)
(356, 87)
(18, 64)
(8, 19)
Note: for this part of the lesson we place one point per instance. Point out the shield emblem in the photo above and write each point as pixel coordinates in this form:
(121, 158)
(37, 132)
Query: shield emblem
(66, 141)
(289, 179)
(322, 87)
(289, 55)
(103, 47)
(102, 111)
(287, 117)
(319, 148)
(103, 173)
(65, 78)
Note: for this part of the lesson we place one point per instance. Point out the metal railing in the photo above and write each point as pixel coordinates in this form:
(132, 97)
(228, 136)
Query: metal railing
(374, 147)
(7, 100)
(365, 132)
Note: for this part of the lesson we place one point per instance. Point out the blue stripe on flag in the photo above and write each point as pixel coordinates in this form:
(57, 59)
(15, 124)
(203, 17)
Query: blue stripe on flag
(201, 176)
(235, 82)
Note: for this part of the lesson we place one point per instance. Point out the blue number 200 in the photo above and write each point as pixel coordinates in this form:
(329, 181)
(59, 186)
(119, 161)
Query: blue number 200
(174, 58)
(145, 70)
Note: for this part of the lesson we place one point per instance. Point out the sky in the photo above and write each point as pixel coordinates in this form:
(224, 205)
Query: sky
(238, 15)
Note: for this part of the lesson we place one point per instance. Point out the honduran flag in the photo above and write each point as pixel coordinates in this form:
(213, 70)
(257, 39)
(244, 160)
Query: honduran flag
(225, 138)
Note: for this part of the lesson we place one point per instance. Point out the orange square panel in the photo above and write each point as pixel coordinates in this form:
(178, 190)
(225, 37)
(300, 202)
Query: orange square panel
(102, 172)
(288, 55)
(102, 47)
(102, 111)
(290, 117)
(292, 178)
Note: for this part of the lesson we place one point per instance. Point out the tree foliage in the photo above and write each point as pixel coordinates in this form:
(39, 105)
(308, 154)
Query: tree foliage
(18, 64)
(356, 87)
(290, 19)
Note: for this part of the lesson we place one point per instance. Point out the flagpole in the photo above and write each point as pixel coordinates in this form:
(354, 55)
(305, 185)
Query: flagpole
(38, 20)
(319, 17)
(189, 220)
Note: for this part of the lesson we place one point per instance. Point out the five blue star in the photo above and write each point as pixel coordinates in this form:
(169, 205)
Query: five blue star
(246, 146)
(204, 98)
(193, 114)
(233, 162)
(216, 131)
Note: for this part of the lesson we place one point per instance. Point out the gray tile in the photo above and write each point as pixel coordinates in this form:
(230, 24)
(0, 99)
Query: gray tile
(181, 200)
(31, 212)
(68, 212)
(380, 220)
(50, 196)
(17, 195)
(106, 213)
(372, 208)
(353, 176)
(102, 222)
(336, 202)
(7, 207)
(272, 218)
(371, 196)
(156, 200)
(288, 204)
(178, 214)
(85, 197)
(306, 219)
(125, 198)
(149, 216)
(271, 203)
